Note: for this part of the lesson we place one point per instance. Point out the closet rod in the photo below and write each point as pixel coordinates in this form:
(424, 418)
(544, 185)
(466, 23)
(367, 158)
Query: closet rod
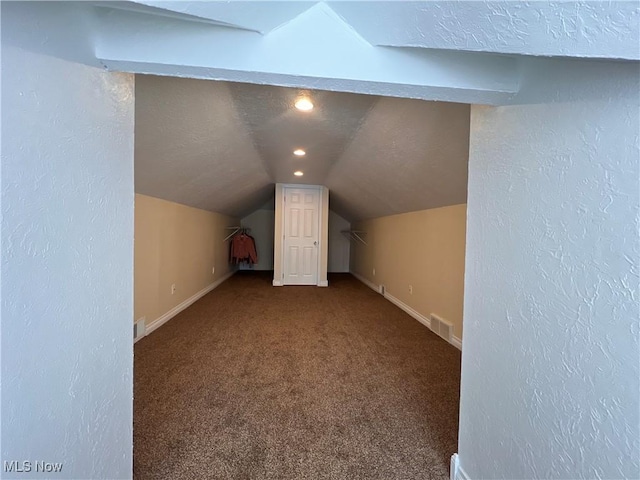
(355, 235)
(235, 230)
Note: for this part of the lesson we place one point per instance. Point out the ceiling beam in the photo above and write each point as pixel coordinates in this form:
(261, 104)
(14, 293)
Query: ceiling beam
(316, 50)
(576, 28)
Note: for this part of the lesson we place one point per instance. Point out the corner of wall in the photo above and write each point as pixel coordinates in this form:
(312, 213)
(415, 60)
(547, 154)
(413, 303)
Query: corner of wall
(277, 235)
(425, 276)
(67, 152)
(180, 255)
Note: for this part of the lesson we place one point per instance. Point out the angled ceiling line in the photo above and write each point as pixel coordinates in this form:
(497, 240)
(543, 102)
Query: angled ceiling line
(155, 11)
(356, 132)
(267, 167)
(288, 21)
(398, 89)
(348, 24)
(257, 16)
(190, 146)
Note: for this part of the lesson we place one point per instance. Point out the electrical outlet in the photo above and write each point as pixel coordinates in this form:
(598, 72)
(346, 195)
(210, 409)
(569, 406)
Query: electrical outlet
(411, 289)
(173, 288)
(213, 270)
(374, 272)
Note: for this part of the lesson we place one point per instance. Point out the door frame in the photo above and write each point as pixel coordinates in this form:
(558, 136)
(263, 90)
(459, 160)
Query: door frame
(278, 264)
(318, 189)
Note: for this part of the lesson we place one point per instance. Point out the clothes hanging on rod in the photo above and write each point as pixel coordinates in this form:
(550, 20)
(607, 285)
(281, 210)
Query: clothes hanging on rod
(243, 248)
(235, 230)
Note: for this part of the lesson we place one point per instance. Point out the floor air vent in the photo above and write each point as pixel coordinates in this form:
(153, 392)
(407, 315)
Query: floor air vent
(441, 327)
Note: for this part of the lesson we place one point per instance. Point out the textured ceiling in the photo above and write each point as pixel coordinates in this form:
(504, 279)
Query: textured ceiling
(408, 155)
(277, 129)
(192, 147)
(220, 143)
(222, 146)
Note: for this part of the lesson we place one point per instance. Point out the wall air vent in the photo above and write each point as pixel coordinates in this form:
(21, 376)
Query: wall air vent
(441, 327)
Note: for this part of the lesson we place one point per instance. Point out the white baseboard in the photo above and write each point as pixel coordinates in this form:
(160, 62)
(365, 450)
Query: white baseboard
(426, 321)
(454, 466)
(456, 472)
(403, 306)
(278, 283)
(369, 284)
(158, 322)
(142, 331)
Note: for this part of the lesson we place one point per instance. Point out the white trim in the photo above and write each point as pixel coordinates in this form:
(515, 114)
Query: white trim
(158, 322)
(320, 189)
(462, 475)
(454, 466)
(300, 185)
(142, 321)
(277, 283)
(369, 284)
(403, 306)
(324, 283)
(455, 341)
(320, 243)
(456, 472)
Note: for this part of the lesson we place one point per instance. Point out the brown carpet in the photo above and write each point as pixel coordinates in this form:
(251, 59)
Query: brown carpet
(257, 382)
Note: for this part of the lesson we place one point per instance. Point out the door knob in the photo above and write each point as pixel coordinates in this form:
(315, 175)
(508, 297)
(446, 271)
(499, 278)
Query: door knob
(315, 243)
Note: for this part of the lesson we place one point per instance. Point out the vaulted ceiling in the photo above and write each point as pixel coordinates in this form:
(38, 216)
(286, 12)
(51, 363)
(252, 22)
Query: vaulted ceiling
(221, 146)
(391, 80)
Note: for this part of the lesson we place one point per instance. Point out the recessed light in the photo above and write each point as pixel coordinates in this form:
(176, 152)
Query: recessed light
(304, 104)
(299, 152)
(298, 173)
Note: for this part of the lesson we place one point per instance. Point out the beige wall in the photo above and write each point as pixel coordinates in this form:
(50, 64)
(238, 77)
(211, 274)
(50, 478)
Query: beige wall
(175, 244)
(424, 249)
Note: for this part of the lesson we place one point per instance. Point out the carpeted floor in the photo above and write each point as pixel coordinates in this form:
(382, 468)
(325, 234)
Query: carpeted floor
(256, 382)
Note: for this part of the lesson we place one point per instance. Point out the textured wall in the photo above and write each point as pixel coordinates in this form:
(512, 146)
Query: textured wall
(550, 380)
(176, 244)
(577, 28)
(67, 265)
(424, 249)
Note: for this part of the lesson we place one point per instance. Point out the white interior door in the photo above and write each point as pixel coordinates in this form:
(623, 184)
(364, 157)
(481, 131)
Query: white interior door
(301, 237)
